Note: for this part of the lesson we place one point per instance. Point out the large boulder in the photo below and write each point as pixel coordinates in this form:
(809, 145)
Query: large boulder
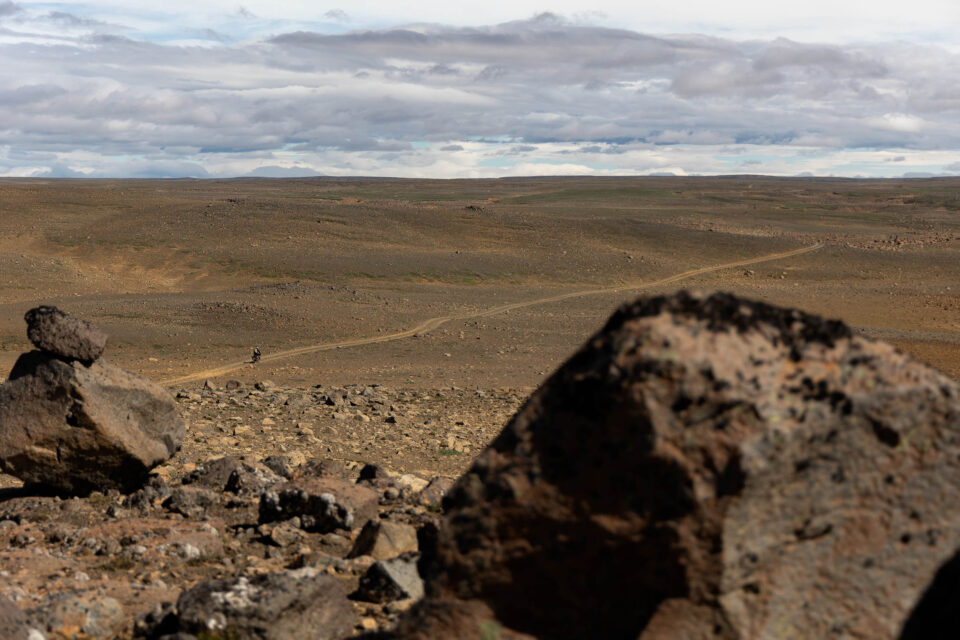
(55, 332)
(79, 427)
(705, 467)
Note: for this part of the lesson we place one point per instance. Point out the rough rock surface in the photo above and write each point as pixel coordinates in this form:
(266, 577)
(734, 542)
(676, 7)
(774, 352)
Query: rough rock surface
(233, 475)
(293, 605)
(79, 428)
(321, 504)
(706, 467)
(382, 540)
(87, 616)
(53, 331)
(393, 579)
(13, 622)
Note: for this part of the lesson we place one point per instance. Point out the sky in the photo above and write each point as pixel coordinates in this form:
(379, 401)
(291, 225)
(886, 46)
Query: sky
(213, 89)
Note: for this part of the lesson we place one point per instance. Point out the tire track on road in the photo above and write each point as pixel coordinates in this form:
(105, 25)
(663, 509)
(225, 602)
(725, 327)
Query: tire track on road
(433, 323)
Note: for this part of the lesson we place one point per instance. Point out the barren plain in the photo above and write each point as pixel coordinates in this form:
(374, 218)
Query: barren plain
(464, 284)
(403, 321)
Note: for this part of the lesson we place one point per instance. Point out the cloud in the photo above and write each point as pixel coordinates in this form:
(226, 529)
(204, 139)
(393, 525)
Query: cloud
(60, 170)
(900, 122)
(953, 167)
(337, 15)
(9, 9)
(274, 171)
(399, 100)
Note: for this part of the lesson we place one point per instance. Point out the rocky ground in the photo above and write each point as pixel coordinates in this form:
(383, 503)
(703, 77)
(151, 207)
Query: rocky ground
(274, 484)
(425, 432)
(93, 565)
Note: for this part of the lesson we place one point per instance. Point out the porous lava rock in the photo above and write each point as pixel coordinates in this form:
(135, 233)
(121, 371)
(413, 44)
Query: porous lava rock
(53, 331)
(79, 427)
(705, 467)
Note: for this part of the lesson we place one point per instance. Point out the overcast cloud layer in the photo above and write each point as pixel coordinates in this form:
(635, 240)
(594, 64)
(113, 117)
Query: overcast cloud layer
(97, 95)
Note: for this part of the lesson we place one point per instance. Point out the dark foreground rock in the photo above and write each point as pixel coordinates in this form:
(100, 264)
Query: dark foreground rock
(55, 332)
(79, 428)
(937, 616)
(294, 605)
(706, 467)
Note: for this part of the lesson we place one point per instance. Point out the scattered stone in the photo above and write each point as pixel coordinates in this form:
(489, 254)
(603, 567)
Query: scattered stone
(251, 479)
(215, 473)
(322, 504)
(13, 622)
(283, 465)
(382, 540)
(59, 334)
(433, 493)
(284, 535)
(709, 464)
(87, 615)
(390, 580)
(233, 385)
(233, 475)
(147, 540)
(293, 605)
(323, 469)
(159, 622)
(190, 502)
(413, 483)
(79, 428)
(373, 472)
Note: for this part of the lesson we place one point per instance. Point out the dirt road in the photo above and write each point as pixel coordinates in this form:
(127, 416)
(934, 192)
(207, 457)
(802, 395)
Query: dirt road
(432, 323)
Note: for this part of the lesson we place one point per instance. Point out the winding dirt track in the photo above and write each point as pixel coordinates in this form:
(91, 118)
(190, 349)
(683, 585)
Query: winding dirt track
(433, 323)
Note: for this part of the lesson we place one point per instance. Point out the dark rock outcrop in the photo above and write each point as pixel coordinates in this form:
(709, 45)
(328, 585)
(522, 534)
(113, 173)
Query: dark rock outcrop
(294, 605)
(55, 332)
(705, 467)
(78, 426)
(233, 475)
(322, 504)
